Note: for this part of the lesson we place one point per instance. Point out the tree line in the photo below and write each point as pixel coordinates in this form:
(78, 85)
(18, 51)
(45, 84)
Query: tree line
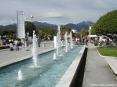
(45, 33)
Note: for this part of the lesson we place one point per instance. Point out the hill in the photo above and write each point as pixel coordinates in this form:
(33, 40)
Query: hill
(79, 26)
(42, 25)
(9, 27)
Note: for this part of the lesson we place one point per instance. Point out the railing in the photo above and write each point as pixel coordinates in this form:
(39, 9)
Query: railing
(47, 44)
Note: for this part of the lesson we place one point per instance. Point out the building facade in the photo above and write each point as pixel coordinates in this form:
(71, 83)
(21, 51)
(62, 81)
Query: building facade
(20, 25)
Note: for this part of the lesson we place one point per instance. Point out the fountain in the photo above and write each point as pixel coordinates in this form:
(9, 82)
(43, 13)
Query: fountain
(56, 45)
(50, 72)
(47, 76)
(20, 75)
(54, 56)
(71, 40)
(56, 48)
(57, 42)
(59, 36)
(66, 42)
(34, 51)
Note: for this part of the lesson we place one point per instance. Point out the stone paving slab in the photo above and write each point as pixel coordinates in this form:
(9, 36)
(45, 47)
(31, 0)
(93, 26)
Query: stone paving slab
(112, 63)
(97, 72)
(8, 57)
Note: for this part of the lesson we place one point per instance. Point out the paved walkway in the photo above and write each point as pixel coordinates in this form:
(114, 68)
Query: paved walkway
(97, 72)
(112, 63)
(8, 57)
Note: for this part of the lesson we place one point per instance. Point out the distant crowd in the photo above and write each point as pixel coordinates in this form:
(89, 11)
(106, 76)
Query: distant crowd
(82, 41)
(15, 44)
(102, 41)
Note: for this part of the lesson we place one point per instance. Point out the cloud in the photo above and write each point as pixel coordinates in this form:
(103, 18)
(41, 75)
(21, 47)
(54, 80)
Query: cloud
(52, 13)
(61, 11)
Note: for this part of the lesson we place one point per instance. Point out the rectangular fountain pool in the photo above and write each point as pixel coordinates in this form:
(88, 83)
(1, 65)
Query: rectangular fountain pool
(48, 75)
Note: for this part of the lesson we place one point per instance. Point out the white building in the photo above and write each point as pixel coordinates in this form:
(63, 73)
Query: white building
(20, 25)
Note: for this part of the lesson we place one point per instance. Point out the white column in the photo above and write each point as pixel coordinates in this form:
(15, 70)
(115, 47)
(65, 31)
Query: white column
(20, 25)
(89, 30)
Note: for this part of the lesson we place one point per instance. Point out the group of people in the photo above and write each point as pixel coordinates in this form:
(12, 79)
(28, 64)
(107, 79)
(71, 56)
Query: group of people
(15, 44)
(105, 41)
(82, 41)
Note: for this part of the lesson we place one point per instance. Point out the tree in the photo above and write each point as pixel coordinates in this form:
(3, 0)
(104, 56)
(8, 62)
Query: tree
(83, 32)
(106, 24)
(29, 27)
(10, 33)
(46, 33)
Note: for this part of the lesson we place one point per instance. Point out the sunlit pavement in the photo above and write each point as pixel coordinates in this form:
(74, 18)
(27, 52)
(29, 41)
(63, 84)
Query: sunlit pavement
(97, 72)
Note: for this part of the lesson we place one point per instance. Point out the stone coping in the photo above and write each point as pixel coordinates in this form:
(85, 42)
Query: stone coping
(66, 79)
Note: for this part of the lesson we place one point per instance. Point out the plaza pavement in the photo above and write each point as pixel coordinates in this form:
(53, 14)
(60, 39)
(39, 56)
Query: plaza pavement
(97, 72)
(8, 57)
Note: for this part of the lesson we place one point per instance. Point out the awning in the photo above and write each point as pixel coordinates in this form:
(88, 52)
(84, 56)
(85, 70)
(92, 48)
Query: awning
(92, 35)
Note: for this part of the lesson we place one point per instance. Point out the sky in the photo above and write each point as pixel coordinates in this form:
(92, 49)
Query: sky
(55, 11)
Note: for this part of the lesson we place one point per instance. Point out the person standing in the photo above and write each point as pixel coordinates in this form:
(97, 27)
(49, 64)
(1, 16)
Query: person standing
(11, 46)
(16, 45)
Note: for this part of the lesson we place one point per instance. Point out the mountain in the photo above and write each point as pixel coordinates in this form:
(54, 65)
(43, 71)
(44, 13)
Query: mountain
(37, 24)
(40, 24)
(79, 26)
(70, 25)
(9, 27)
